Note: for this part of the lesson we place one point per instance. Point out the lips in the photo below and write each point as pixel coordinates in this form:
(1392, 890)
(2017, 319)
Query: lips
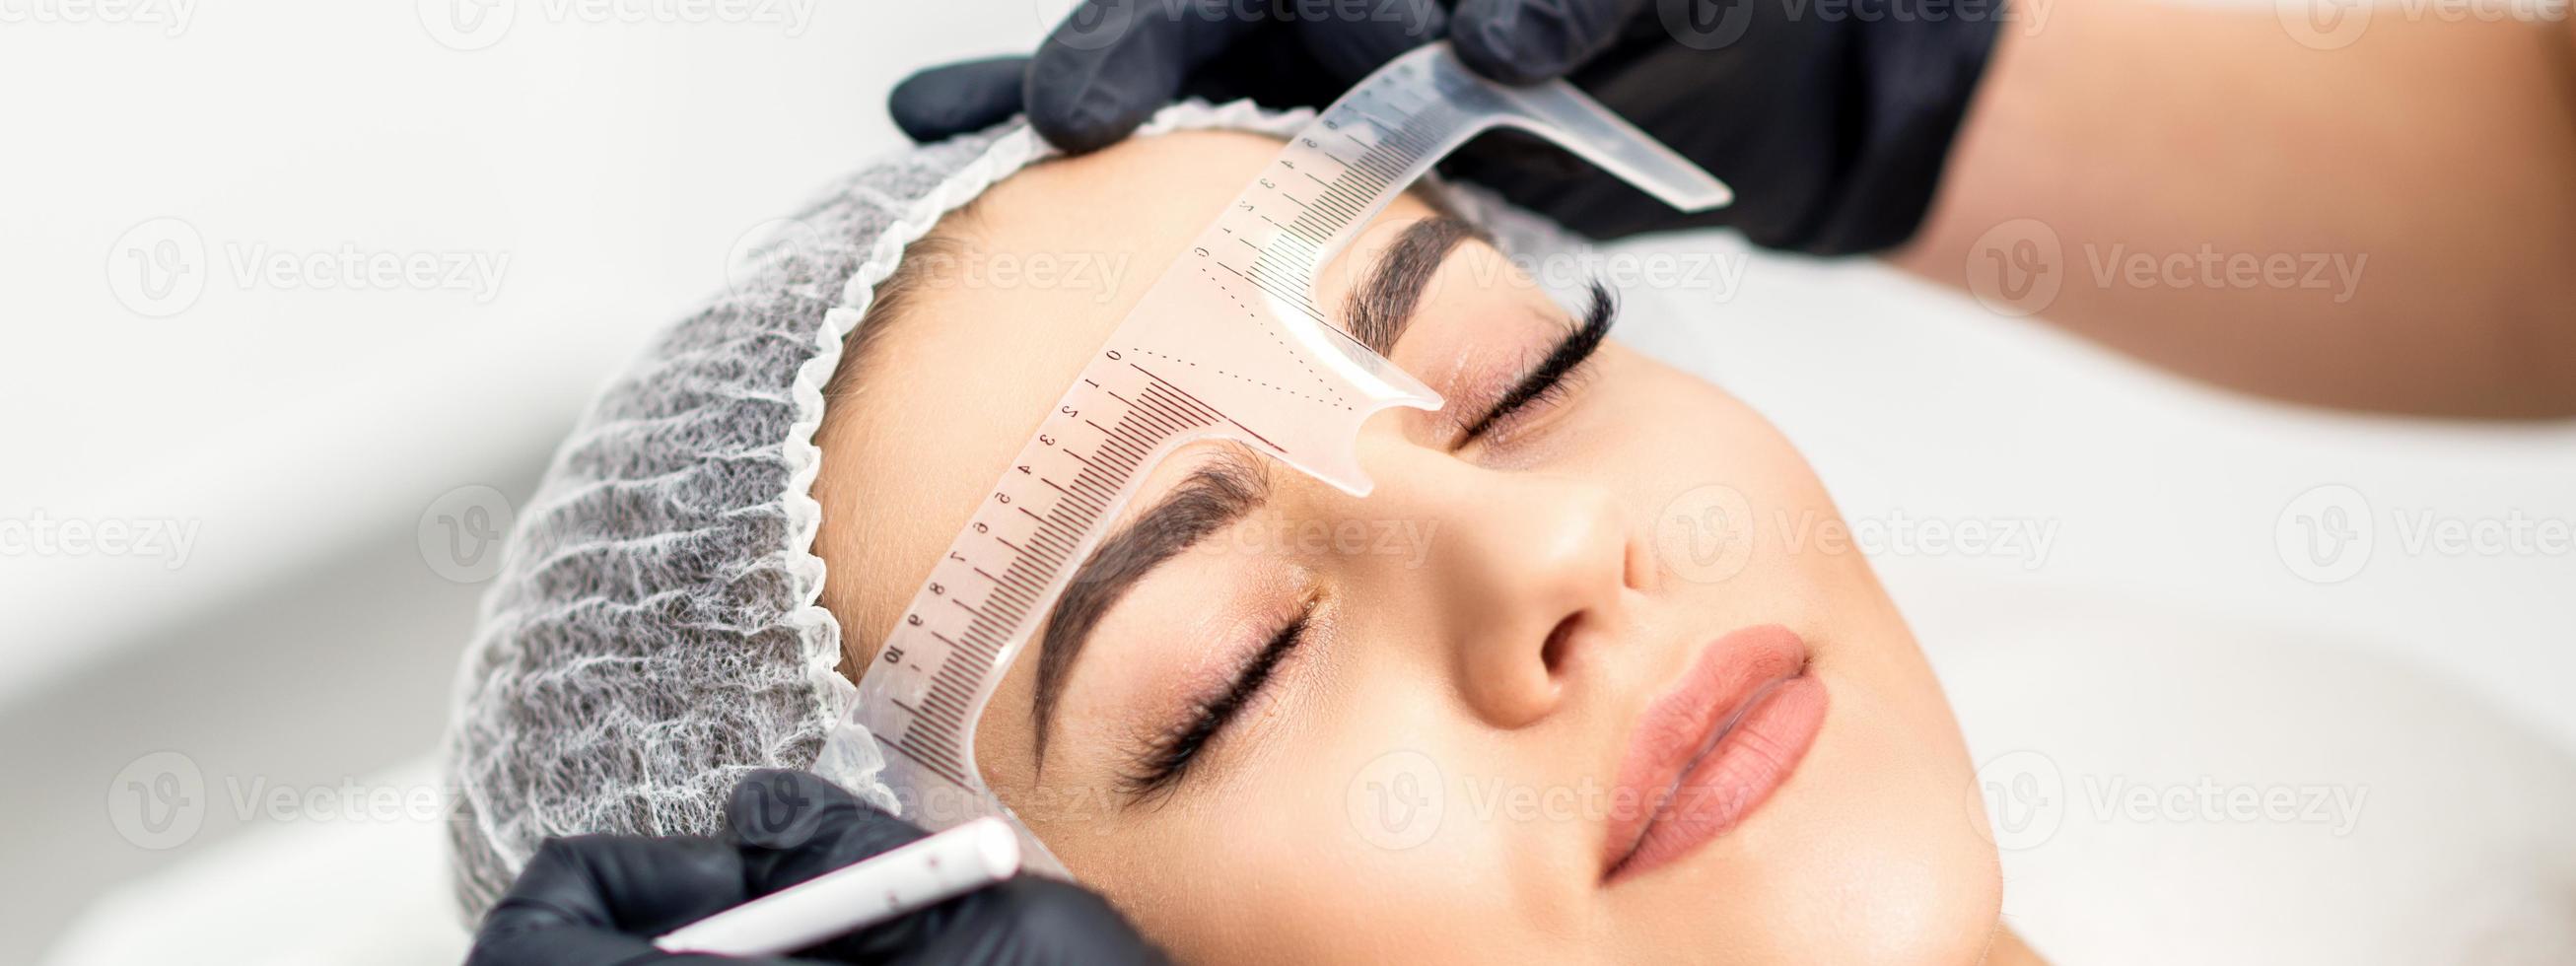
(1713, 749)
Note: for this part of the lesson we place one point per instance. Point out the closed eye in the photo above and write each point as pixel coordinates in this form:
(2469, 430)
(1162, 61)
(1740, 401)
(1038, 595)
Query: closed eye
(1167, 757)
(1548, 380)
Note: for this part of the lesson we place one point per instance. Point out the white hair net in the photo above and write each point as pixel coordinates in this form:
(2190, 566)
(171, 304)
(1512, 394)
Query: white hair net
(653, 632)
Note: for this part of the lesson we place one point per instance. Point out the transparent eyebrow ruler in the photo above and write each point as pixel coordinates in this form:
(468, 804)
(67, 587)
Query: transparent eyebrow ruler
(1227, 345)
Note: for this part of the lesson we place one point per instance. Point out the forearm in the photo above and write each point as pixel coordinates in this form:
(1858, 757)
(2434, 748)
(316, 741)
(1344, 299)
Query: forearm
(2390, 225)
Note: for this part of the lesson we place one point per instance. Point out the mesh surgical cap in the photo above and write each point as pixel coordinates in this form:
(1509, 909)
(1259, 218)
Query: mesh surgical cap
(654, 632)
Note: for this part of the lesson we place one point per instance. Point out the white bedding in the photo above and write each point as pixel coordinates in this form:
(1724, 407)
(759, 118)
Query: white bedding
(2165, 788)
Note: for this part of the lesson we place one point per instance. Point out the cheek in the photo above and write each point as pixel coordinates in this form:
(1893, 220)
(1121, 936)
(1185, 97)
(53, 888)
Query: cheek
(1716, 490)
(1350, 835)
(1884, 797)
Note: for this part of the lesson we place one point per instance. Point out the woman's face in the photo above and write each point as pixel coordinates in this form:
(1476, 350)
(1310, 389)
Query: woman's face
(1566, 686)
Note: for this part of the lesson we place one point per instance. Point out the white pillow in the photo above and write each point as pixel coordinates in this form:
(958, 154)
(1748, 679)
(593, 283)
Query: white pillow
(2405, 823)
(336, 893)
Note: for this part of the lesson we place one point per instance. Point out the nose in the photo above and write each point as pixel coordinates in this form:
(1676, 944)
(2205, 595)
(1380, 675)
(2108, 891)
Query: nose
(1524, 576)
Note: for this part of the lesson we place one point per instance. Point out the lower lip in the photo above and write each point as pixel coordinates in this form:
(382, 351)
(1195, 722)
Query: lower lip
(1763, 711)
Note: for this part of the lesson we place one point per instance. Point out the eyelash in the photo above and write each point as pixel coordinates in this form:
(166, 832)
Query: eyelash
(1168, 756)
(1557, 374)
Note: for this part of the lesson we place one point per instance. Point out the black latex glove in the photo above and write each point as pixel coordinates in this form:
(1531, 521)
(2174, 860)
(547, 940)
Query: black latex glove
(1831, 128)
(597, 900)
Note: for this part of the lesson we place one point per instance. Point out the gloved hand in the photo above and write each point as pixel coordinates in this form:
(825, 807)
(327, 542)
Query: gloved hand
(597, 900)
(1830, 121)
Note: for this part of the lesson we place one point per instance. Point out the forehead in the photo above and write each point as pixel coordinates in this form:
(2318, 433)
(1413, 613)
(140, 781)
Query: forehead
(1039, 271)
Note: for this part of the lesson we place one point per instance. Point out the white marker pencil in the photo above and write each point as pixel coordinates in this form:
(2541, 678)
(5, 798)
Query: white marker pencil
(949, 864)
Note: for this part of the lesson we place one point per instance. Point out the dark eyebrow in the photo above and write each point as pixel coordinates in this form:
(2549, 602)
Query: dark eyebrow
(1210, 499)
(1215, 496)
(1381, 305)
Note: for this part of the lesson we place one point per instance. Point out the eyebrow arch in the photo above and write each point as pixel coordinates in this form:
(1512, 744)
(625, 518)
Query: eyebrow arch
(1212, 498)
(1381, 306)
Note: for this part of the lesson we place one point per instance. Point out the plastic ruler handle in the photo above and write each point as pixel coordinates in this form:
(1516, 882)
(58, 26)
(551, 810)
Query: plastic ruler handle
(1227, 344)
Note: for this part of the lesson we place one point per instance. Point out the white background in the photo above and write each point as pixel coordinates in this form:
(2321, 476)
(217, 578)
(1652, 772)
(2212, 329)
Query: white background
(309, 637)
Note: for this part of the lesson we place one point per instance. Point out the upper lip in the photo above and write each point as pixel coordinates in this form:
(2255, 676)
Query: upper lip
(1725, 678)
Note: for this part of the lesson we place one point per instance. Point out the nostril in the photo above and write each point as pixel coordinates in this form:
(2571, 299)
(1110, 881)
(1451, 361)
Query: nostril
(1560, 644)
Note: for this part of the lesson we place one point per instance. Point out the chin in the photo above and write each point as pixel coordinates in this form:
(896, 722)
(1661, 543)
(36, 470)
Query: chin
(1876, 851)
